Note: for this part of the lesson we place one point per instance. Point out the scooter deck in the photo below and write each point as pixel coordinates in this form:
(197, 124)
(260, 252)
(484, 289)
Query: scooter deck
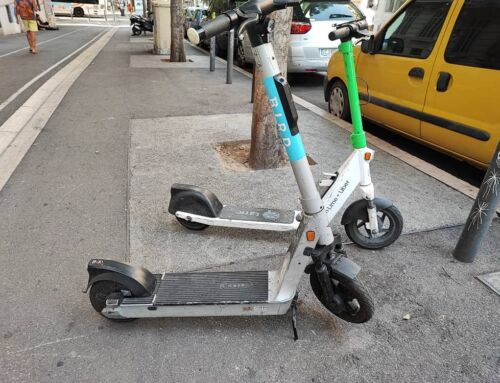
(257, 214)
(206, 288)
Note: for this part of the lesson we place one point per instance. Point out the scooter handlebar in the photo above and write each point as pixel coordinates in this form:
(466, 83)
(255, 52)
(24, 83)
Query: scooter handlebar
(220, 24)
(231, 19)
(348, 31)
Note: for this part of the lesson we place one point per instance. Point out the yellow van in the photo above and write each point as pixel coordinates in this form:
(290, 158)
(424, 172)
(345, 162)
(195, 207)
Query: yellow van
(432, 73)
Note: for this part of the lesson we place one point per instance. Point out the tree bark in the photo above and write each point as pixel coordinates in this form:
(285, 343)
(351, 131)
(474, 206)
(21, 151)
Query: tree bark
(177, 53)
(266, 148)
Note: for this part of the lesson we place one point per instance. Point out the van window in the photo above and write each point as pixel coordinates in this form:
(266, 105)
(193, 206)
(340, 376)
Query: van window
(475, 40)
(415, 31)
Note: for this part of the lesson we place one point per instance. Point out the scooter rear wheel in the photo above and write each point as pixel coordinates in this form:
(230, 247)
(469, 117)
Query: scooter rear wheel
(100, 291)
(196, 207)
(359, 303)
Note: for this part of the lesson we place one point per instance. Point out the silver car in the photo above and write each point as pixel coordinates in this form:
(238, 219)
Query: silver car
(310, 49)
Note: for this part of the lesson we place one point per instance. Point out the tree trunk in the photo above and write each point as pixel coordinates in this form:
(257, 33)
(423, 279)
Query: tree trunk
(177, 53)
(266, 148)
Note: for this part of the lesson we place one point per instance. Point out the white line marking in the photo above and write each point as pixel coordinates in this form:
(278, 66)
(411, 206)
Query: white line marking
(95, 25)
(415, 162)
(29, 120)
(13, 96)
(40, 43)
(49, 343)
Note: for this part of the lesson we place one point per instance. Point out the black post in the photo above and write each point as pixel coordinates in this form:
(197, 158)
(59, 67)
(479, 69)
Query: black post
(230, 57)
(482, 213)
(212, 54)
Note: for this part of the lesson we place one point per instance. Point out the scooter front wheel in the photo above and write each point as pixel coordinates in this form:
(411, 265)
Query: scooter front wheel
(100, 291)
(390, 224)
(358, 304)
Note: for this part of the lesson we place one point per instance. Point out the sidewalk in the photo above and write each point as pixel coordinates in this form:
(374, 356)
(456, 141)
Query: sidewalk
(97, 185)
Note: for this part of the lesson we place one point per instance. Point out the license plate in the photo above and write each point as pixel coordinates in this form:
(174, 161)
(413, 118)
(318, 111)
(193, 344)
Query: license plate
(325, 52)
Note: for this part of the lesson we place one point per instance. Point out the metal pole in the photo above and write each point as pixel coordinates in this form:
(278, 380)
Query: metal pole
(212, 54)
(481, 214)
(106, 10)
(230, 57)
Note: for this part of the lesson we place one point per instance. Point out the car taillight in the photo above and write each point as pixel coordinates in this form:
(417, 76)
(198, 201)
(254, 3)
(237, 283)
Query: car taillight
(300, 27)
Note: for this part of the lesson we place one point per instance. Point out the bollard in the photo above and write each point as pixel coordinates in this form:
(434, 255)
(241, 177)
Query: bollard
(230, 57)
(212, 54)
(481, 214)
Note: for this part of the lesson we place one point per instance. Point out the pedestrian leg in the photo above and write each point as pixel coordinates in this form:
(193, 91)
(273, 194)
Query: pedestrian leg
(33, 34)
(30, 42)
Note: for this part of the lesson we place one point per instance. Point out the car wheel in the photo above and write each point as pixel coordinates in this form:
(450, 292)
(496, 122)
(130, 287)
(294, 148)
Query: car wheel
(338, 102)
(78, 12)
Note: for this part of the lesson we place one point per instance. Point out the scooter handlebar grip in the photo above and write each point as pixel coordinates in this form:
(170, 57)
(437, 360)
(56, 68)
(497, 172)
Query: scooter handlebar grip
(348, 31)
(220, 24)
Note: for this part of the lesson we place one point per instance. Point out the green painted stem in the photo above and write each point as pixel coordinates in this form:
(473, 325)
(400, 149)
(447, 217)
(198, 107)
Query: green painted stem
(358, 138)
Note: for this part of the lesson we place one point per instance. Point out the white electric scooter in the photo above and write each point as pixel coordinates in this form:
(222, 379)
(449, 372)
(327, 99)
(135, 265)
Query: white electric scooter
(121, 291)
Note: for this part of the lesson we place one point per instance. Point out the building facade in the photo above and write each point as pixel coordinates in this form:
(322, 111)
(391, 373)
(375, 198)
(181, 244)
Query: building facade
(8, 21)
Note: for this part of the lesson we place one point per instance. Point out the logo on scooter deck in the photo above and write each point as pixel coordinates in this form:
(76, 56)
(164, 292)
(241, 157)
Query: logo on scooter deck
(236, 285)
(268, 215)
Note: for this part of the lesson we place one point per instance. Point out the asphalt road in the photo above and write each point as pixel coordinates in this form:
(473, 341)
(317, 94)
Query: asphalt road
(18, 66)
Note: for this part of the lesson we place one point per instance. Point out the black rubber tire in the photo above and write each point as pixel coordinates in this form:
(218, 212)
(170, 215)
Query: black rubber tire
(350, 290)
(353, 230)
(338, 89)
(198, 208)
(78, 12)
(136, 32)
(98, 294)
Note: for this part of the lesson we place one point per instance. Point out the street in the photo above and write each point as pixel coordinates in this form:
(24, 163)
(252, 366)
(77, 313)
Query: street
(95, 184)
(21, 74)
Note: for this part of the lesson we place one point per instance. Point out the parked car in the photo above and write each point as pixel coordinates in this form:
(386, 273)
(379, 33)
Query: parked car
(432, 73)
(310, 49)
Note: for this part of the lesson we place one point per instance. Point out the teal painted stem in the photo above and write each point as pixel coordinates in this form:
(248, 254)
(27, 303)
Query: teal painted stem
(358, 137)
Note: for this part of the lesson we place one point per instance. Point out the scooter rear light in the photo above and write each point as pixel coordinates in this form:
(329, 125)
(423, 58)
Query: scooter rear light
(300, 27)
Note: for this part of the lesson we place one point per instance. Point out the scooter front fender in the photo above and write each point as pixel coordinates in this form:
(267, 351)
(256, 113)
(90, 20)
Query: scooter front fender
(358, 209)
(345, 267)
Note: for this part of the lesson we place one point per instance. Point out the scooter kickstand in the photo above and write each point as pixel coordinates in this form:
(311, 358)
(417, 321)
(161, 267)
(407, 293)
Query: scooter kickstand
(294, 317)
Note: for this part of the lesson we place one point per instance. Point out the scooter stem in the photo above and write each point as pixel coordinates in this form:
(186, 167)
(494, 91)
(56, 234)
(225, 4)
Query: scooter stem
(358, 137)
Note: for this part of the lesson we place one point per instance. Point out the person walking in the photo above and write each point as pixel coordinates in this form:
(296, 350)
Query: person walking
(25, 9)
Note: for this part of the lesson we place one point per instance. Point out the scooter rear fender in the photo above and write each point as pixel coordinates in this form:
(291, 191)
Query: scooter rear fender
(138, 280)
(183, 195)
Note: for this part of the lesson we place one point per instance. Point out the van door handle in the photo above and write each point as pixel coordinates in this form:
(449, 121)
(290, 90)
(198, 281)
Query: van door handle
(416, 72)
(443, 81)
